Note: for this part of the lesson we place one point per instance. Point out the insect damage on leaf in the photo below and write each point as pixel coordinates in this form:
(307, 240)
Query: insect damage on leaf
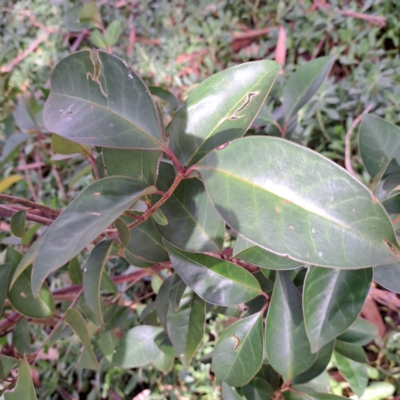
(244, 105)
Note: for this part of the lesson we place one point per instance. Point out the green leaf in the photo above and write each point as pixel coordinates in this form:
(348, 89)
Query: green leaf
(229, 393)
(379, 391)
(146, 243)
(304, 83)
(159, 217)
(24, 389)
(165, 345)
(220, 109)
(186, 326)
(123, 231)
(71, 19)
(17, 223)
(137, 164)
(388, 276)
(288, 348)
(310, 396)
(321, 362)
(5, 270)
(137, 347)
(378, 149)
(361, 332)
(302, 203)
(21, 337)
(75, 272)
(98, 39)
(23, 300)
(93, 272)
(165, 95)
(194, 225)
(8, 363)
(107, 284)
(11, 144)
(258, 389)
(332, 300)
(164, 362)
(162, 302)
(91, 102)
(239, 351)
(215, 280)
(176, 289)
(136, 261)
(90, 13)
(92, 211)
(60, 145)
(246, 251)
(112, 32)
(355, 373)
(352, 351)
(87, 358)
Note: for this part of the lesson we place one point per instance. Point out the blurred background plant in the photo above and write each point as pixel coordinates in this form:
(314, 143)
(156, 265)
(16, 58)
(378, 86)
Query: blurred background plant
(174, 45)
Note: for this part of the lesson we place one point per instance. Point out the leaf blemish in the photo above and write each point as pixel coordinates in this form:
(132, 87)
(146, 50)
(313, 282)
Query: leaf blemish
(244, 105)
(237, 342)
(291, 228)
(222, 146)
(22, 294)
(96, 193)
(95, 213)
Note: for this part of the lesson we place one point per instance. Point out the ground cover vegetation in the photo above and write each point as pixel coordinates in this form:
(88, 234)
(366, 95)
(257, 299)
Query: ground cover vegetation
(199, 200)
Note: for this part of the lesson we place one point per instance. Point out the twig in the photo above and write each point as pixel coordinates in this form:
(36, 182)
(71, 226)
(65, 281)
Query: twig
(28, 180)
(251, 34)
(9, 212)
(29, 166)
(347, 141)
(132, 40)
(30, 204)
(373, 19)
(78, 40)
(59, 183)
(38, 170)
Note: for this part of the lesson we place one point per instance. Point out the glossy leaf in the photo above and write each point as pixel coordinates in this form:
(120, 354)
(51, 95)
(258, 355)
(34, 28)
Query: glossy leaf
(246, 251)
(304, 83)
(112, 32)
(379, 142)
(229, 393)
(388, 276)
(194, 225)
(92, 211)
(220, 109)
(24, 388)
(215, 280)
(239, 351)
(60, 145)
(355, 373)
(302, 202)
(98, 100)
(98, 39)
(5, 270)
(75, 272)
(21, 337)
(17, 223)
(87, 358)
(165, 95)
(162, 302)
(332, 300)
(137, 164)
(123, 231)
(352, 351)
(22, 299)
(137, 347)
(361, 332)
(288, 348)
(176, 290)
(159, 217)
(258, 389)
(93, 272)
(146, 243)
(186, 327)
(321, 362)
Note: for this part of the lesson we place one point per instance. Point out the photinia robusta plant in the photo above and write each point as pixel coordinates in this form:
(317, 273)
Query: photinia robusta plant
(305, 238)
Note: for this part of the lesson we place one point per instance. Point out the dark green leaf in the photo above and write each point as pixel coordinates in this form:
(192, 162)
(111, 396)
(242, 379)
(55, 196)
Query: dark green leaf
(229, 393)
(107, 284)
(304, 83)
(215, 280)
(332, 300)
(25, 115)
(352, 351)
(136, 261)
(8, 363)
(310, 396)
(186, 327)
(11, 144)
(87, 358)
(5, 270)
(361, 332)
(112, 32)
(194, 225)
(137, 164)
(378, 149)
(164, 362)
(302, 203)
(162, 302)
(165, 95)
(92, 211)
(137, 347)
(165, 345)
(146, 243)
(176, 290)
(388, 276)
(93, 272)
(321, 362)
(24, 389)
(75, 272)
(239, 351)
(123, 231)
(220, 109)
(288, 348)
(17, 223)
(355, 373)
(22, 299)
(71, 19)
(258, 389)
(99, 100)
(21, 337)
